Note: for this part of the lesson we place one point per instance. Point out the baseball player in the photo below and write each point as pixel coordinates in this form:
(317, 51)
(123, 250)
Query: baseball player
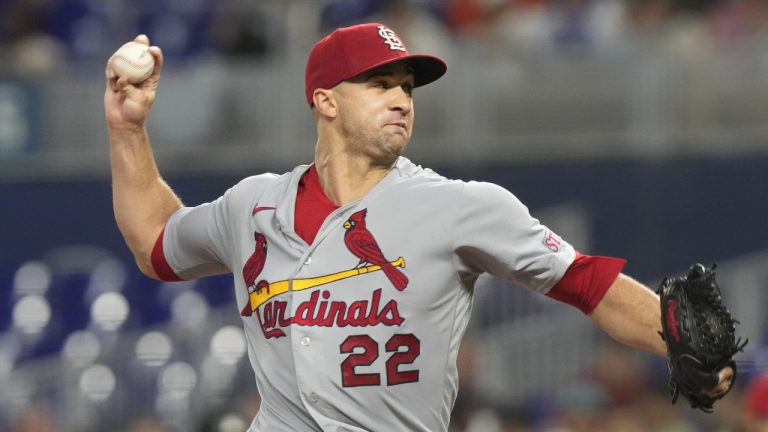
(354, 274)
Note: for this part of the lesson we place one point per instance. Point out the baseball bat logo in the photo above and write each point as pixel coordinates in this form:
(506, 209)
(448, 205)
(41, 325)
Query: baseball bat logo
(261, 292)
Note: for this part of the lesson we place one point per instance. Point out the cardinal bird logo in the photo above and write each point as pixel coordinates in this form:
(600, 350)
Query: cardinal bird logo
(253, 268)
(361, 243)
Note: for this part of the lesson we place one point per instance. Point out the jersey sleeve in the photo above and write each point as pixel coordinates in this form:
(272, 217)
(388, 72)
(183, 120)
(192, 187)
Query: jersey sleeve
(495, 233)
(198, 241)
(586, 281)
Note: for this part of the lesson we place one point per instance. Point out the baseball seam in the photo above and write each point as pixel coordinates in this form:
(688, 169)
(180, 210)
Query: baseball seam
(130, 62)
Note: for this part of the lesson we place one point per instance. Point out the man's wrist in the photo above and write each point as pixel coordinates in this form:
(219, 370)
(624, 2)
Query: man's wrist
(126, 130)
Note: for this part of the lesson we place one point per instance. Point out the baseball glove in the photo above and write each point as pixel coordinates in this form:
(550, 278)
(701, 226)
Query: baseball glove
(700, 335)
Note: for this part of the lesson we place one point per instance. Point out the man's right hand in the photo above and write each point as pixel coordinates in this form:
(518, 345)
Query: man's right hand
(127, 105)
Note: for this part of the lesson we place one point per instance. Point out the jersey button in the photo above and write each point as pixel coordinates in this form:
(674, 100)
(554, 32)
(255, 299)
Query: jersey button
(308, 261)
(305, 341)
(313, 398)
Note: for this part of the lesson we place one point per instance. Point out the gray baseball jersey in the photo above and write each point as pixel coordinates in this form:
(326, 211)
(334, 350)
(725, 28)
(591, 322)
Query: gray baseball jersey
(359, 331)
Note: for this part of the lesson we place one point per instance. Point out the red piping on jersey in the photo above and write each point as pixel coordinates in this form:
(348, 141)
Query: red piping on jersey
(159, 263)
(586, 281)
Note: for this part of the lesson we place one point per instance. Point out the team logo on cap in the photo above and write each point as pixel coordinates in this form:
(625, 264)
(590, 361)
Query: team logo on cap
(391, 39)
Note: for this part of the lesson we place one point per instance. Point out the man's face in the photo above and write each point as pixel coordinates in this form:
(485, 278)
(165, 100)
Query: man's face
(375, 112)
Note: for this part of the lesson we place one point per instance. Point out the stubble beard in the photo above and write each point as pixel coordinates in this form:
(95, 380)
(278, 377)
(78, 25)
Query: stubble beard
(381, 147)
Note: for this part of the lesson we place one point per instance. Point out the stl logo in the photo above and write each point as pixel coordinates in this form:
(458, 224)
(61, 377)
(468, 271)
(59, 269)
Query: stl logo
(391, 39)
(553, 241)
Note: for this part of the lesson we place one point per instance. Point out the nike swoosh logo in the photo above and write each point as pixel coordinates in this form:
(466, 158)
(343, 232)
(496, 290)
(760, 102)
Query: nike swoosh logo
(257, 209)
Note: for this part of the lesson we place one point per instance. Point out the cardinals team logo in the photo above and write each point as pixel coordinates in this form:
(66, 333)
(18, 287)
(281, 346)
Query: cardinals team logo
(252, 269)
(363, 245)
(320, 309)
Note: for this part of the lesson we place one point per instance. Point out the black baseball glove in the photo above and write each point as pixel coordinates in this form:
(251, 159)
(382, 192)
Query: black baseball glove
(700, 335)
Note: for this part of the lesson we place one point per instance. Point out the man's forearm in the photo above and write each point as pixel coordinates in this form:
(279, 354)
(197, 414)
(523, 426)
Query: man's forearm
(630, 313)
(142, 200)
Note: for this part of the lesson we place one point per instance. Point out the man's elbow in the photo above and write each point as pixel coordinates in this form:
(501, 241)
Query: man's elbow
(145, 266)
(142, 246)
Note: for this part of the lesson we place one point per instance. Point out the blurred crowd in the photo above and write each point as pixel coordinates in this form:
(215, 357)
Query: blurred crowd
(38, 35)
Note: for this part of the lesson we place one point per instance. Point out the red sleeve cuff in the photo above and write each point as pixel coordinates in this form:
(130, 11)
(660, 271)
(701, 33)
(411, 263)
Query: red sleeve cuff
(159, 263)
(586, 281)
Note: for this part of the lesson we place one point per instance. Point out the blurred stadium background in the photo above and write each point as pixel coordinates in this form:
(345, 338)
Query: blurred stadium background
(635, 128)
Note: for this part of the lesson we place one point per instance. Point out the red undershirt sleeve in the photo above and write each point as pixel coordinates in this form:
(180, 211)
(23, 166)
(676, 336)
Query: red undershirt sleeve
(586, 281)
(160, 264)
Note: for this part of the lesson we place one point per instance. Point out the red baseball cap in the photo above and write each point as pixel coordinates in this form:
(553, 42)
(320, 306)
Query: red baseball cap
(350, 51)
(756, 396)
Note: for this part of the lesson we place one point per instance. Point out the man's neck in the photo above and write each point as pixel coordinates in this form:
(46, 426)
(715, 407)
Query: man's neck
(345, 178)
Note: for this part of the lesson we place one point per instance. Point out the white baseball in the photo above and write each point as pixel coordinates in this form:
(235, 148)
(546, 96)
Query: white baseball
(133, 60)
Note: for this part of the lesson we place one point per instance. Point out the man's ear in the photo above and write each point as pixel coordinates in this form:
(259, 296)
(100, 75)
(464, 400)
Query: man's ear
(325, 102)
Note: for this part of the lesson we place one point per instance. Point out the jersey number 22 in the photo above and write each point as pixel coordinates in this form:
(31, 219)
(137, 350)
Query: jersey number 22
(368, 353)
